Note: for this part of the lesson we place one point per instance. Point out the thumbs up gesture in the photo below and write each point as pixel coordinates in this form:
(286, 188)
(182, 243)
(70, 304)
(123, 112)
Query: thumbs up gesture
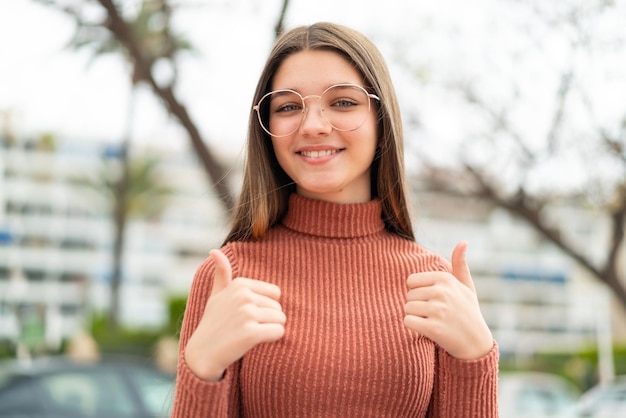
(239, 314)
(444, 307)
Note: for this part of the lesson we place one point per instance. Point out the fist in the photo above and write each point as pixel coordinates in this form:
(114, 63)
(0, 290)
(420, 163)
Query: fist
(444, 307)
(239, 314)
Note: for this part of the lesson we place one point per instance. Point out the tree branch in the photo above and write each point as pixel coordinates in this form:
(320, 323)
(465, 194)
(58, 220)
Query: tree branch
(280, 24)
(143, 66)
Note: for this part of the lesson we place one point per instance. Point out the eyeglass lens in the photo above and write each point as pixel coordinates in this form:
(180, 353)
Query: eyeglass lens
(344, 107)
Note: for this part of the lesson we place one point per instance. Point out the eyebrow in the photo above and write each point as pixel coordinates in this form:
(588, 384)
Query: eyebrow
(326, 87)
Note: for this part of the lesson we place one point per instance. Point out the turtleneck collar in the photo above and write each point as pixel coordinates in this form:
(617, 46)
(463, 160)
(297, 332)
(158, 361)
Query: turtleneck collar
(333, 220)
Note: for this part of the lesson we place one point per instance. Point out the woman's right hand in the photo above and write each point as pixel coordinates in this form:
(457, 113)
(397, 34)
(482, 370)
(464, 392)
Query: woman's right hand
(239, 314)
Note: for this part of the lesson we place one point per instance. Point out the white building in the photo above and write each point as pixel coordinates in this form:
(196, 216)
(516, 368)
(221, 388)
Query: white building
(535, 298)
(56, 240)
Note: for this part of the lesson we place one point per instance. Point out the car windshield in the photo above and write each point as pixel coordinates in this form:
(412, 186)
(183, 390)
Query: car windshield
(607, 400)
(110, 388)
(88, 394)
(156, 391)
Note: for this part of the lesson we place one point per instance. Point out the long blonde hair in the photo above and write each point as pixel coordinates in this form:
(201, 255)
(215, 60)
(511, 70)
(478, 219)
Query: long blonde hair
(266, 187)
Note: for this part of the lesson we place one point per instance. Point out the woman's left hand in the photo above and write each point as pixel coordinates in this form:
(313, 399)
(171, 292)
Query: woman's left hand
(444, 307)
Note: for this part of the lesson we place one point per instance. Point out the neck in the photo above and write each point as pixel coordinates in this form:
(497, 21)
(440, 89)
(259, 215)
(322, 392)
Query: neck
(341, 196)
(333, 220)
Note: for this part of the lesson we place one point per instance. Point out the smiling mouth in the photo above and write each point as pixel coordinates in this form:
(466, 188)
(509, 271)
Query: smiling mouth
(319, 154)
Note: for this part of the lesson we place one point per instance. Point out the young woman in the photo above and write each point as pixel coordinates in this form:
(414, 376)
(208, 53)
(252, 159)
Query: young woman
(320, 302)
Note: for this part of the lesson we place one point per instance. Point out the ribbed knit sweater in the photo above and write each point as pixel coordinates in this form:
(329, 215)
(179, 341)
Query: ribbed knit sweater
(346, 351)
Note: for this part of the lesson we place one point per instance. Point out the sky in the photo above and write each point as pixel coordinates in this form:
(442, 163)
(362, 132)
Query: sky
(50, 89)
(510, 51)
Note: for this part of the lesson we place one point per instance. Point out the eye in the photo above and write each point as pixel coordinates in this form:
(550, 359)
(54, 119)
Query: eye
(288, 108)
(285, 103)
(344, 102)
(344, 98)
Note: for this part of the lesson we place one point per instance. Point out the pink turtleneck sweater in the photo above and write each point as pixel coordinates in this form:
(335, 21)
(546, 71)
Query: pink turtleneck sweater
(346, 351)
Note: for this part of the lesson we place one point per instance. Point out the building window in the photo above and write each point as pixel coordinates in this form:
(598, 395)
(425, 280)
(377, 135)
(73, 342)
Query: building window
(35, 275)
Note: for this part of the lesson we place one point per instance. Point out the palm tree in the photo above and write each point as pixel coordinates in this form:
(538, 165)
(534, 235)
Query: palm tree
(143, 43)
(151, 29)
(144, 195)
(144, 62)
(147, 194)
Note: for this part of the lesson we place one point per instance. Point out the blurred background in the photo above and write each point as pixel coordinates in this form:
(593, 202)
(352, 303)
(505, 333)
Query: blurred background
(122, 130)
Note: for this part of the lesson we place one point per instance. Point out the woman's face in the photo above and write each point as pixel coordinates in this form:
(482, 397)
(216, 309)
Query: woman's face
(324, 162)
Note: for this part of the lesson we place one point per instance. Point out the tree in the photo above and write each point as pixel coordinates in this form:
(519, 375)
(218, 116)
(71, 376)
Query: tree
(144, 195)
(139, 48)
(151, 30)
(147, 195)
(143, 44)
(547, 121)
(279, 28)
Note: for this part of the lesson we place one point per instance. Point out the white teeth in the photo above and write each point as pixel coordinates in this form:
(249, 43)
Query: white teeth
(317, 154)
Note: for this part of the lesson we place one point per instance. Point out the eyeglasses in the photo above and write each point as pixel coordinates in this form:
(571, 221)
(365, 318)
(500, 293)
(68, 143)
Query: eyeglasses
(344, 106)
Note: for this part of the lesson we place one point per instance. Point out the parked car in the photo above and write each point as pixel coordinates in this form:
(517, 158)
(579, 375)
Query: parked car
(604, 400)
(57, 387)
(535, 395)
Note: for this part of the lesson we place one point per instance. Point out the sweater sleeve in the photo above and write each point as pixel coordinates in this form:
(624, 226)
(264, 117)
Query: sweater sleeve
(194, 397)
(465, 388)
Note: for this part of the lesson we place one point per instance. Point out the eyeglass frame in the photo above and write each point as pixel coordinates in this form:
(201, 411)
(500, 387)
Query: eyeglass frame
(257, 107)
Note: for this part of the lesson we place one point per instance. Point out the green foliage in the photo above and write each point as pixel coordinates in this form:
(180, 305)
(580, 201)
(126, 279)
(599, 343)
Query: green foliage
(47, 142)
(581, 368)
(147, 195)
(147, 192)
(151, 28)
(7, 349)
(137, 341)
(125, 341)
(176, 309)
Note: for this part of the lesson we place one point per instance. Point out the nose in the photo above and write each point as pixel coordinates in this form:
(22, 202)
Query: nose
(313, 121)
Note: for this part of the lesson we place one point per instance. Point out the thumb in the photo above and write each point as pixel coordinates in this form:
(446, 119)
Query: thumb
(223, 271)
(460, 269)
